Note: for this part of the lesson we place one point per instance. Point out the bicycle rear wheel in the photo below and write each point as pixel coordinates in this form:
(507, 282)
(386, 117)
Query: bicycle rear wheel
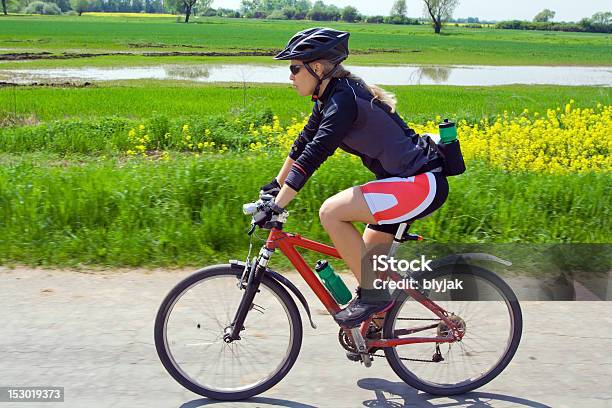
(491, 317)
(189, 331)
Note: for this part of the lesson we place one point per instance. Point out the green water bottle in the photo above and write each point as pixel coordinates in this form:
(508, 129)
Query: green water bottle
(450, 149)
(332, 282)
(448, 131)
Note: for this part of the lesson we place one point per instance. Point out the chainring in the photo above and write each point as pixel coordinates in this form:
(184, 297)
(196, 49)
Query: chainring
(374, 333)
(346, 342)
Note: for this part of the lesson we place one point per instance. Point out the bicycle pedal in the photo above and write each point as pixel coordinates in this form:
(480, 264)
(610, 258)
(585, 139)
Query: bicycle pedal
(353, 356)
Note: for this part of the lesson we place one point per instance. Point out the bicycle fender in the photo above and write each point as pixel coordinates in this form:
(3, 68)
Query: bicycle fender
(295, 291)
(286, 282)
(464, 258)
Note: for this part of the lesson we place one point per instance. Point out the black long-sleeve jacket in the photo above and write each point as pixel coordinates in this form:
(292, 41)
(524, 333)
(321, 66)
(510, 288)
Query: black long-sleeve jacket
(346, 116)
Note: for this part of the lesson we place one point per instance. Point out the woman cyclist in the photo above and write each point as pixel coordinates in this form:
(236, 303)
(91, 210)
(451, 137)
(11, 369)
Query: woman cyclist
(360, 119)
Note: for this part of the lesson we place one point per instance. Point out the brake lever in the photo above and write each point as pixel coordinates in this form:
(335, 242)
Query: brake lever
(266, 197)
(251, 230)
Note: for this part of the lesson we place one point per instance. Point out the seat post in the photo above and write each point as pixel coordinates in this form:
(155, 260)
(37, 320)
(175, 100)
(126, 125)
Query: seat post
(397, 239)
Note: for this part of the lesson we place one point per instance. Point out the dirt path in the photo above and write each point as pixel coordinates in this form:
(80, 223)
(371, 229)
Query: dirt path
(92, 333)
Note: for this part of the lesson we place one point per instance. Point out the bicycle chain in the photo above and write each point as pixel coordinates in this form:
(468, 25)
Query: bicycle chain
(407, 359)
(411, 318)
(420, 360)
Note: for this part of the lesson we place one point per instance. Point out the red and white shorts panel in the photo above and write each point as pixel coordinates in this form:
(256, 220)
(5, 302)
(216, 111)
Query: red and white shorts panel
(396, 199)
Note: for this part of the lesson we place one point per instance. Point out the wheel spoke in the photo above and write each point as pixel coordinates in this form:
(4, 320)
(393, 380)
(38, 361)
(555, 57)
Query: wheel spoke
(469, 363)
(269, 341)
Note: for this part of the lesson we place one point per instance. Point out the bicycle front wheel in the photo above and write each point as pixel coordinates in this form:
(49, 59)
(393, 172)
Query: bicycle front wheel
(189, 331)
(486, 311)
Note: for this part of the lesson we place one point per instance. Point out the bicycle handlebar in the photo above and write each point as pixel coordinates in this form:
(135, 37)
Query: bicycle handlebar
(254, 207)
(250, 208)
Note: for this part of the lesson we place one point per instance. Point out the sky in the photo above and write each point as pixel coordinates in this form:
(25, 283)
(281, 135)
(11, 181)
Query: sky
(567, 10)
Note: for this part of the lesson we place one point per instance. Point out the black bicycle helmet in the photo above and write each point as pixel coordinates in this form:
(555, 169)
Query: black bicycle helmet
(314, 44)
(317, 43)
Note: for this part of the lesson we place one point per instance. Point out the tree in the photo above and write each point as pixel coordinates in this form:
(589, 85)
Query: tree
(399, 8)
(439, 11)
(602, 18)
(4, 7)
(64, 5)
(187, 6)
(374, 19)
(302, 8)
(80, 6)
(249, 7)
(272, 5)
(137, 6)
(350, 14)
(544, 16)
(51, 9)
(322, 12)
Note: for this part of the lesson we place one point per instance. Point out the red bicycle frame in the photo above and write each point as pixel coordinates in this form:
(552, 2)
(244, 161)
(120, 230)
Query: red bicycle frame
(287, 242)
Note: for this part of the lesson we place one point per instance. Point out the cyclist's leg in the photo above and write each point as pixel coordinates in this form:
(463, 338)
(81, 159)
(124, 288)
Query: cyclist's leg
(374, 239)
(337, 214)
(389, 201)
(377, 243)
(415, 197)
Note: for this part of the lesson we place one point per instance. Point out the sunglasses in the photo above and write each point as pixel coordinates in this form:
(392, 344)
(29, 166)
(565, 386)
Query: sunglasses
(295, 69)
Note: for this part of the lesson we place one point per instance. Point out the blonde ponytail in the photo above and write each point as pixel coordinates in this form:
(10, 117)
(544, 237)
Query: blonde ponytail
(377, 92)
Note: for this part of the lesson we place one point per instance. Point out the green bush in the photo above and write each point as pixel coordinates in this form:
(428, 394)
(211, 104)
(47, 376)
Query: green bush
(585, 25)
(277, 15)
(39, 7)
(51, 9)
(374, 19)
(110, 135)
(36, 7)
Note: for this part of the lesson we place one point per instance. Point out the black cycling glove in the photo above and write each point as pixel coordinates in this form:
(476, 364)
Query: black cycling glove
(272, 188)
(266, 212)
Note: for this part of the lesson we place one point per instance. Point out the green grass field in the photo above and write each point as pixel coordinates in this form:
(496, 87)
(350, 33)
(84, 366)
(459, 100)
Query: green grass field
(142, 99)
(70, 195)
(371, 43)
(187, 211)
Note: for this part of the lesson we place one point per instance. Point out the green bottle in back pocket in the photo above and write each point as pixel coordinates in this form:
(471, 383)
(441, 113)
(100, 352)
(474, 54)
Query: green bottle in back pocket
(448, 131)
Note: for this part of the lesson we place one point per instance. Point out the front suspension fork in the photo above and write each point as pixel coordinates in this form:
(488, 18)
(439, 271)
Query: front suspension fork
(251, 287)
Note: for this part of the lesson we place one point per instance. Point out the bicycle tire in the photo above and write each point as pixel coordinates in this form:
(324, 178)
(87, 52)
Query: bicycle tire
(175, 370)
(448, 389)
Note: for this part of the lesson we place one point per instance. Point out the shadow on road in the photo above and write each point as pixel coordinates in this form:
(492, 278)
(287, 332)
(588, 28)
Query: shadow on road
(257, 401)
(404, 395)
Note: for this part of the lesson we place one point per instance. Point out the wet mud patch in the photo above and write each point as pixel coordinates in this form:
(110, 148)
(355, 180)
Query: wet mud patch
(50, 84)
(162, 45)
(16, 40)
(17, 56)
(22, 56)
(378, 51)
